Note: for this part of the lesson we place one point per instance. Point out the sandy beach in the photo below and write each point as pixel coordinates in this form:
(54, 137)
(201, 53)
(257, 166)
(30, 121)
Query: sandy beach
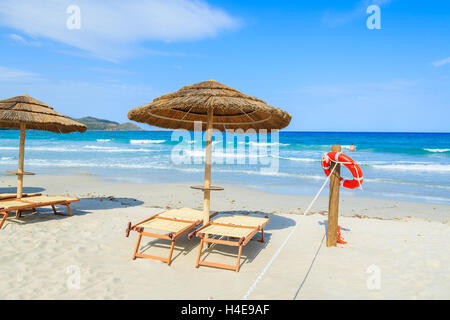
(404, 245)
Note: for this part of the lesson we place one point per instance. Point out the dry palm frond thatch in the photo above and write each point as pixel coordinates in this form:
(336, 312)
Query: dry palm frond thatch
(231, 108)
(36, 115)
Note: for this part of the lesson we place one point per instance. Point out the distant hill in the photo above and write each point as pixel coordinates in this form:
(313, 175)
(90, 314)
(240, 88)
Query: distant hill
(107, 125)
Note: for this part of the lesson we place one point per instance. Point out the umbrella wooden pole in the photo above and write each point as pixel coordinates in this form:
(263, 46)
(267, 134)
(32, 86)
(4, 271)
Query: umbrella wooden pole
(208, 160)
(21, 161)
(333, 204)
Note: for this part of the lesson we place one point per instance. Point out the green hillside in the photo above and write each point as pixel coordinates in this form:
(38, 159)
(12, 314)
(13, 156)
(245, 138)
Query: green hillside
(107, 125)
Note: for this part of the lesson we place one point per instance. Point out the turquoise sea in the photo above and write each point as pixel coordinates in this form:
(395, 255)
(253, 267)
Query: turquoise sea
(406, 166)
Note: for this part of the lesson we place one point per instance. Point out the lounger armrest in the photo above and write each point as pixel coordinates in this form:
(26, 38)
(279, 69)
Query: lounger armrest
(195, 232)
(127, 231)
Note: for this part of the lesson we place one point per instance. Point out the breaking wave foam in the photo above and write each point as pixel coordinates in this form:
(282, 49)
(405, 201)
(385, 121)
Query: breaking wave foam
(147, 141)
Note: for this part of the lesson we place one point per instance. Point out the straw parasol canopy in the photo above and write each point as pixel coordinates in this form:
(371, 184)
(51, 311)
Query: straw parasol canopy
(24, 112)
(214, 106)
(35, 115)
(231, 108)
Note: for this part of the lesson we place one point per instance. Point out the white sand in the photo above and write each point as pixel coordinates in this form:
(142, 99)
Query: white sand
(407, 242)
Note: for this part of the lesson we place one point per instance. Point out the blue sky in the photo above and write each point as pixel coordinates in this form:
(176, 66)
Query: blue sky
(315, 59)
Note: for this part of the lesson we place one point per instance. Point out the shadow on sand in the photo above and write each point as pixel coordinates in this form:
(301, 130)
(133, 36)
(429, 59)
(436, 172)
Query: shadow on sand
(85, 206)
(9, 190)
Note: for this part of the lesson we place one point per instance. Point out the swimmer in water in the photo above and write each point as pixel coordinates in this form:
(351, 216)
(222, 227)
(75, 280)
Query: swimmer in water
(352, 147)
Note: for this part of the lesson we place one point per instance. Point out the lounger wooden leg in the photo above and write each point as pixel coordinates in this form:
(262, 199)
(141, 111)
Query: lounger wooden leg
(69, 210)
(137, 246)
(20, 212)
(171, 251)
(239, 259)
(199, 254)
(62, 214)
(5, 215)
(170, 237)
(262, 237)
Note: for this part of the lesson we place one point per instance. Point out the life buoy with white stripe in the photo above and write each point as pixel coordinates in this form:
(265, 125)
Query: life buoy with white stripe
(341, 158)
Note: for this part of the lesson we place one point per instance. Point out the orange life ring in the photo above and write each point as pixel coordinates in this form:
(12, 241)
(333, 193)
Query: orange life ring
(341, 158)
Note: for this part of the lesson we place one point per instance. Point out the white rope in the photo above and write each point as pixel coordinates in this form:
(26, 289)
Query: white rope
(261, 275)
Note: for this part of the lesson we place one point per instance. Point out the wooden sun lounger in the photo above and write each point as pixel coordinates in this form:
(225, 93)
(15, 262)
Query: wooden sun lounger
(242, 228)
(177, 222)
(31, 202)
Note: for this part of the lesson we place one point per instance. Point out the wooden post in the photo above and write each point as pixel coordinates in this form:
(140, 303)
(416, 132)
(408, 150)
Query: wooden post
(208, 160)
(333, 203)
(21, 161)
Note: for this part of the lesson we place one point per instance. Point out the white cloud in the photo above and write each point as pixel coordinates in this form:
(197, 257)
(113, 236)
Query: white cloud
(113, 29)
(19, 39)
(442, 62)
(14, 75)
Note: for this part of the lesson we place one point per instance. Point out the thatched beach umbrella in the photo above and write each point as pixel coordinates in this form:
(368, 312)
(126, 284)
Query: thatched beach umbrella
(26, 113)
(216, 106)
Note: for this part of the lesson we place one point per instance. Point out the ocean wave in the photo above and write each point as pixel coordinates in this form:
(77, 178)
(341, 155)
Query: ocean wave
(414, 197)
(87, 148)
(113, 149)
(272, 174)
(72, 164)
(437, 150)
(219, 154)
(147, 141)
(121, 165)
(103, 140)
(84, 164)
(415, 184)
(55, 149)
(372, 163)
(298, 159)
(98, 147)
(264, 144)
(415, 167)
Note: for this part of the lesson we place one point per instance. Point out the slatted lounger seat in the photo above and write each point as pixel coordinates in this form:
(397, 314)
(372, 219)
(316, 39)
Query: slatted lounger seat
(9, 205)
(239, 227)
(44, 201)
(176, 222)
